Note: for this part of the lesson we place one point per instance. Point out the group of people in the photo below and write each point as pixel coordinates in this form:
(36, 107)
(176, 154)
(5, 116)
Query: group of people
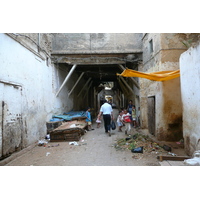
(127, 117)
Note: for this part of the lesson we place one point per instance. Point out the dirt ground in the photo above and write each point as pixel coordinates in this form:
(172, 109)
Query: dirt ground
(95, 148)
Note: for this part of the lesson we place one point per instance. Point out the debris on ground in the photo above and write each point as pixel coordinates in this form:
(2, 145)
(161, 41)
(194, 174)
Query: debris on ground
(42, 142)
(56, 145)
(141, 143)
(195, 161)
(174, 158)
(167, 148)
(69, 131)
(137, 150)
(48, 153)
(73, 143)
(172, 154)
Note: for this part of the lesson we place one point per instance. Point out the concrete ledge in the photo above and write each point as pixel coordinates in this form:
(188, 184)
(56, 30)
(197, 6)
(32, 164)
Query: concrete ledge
(16, 154)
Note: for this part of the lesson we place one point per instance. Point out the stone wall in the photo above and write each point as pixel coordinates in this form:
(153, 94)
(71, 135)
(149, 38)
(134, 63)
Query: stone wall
(190, 82)
(157, 51)
(78, 43)
(28, 84)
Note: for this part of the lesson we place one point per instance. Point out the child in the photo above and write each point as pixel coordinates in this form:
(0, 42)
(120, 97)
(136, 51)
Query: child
(88, 120)
(98, 121)
(120, 121)
(134, 116)
(126, 119)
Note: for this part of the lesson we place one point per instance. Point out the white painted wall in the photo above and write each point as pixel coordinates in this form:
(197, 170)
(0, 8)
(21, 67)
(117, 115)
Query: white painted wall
(190, 89)
(39, 84)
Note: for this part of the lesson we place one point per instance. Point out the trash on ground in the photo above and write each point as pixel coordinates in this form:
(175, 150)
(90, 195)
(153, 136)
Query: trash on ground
(138, 140)
(172, 154)
(47, 137)
(42, 142)
(73, 143)
(195, 161)
(137, 150)
(48, 153)
(56, 145)
(167, 148)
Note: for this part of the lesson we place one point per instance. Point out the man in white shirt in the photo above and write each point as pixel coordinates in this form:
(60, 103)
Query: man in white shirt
(107, 112)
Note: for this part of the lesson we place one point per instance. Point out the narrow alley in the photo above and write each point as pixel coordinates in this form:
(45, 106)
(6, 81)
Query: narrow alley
(59, 73)
(95, 148)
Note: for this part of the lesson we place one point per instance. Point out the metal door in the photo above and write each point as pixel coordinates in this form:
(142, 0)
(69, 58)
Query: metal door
(151, 115)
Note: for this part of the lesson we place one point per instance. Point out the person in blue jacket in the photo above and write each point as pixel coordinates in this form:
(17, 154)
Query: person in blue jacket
(89, 120)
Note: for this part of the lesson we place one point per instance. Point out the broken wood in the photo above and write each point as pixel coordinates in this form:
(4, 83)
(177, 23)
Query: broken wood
(176, 158)
(68, 131)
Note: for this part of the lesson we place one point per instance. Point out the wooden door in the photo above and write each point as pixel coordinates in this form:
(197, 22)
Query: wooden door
(151, 115)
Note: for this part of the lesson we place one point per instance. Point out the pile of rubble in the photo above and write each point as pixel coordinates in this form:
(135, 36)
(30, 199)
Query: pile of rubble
(139, 140)
(143, 146)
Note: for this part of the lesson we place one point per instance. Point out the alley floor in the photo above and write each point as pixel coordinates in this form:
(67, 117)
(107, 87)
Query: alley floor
(95, 148)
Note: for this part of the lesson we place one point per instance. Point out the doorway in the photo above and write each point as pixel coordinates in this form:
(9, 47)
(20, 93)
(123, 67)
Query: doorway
(151, 114)
(11, 119)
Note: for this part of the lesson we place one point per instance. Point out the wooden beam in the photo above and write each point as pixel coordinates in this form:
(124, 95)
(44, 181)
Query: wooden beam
(84, 86)
(134, 81)
(66, 79)
(76, 83)
(87, 89)
(125, 83)
(122, 86)
(176, 158)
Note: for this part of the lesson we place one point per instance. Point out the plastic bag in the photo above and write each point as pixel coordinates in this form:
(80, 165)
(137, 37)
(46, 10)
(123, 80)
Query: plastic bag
(113, 126)
(137, 150)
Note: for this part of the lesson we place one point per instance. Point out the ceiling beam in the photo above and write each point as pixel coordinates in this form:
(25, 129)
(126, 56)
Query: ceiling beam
(66, 79)
(134, 81)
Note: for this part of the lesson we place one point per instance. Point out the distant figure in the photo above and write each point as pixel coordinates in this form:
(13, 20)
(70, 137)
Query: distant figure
(89, 120)
(98, 121)
(130, 106)
(107, 112)
(120, 121)
(129, 109)
(126, 119)
(134, 116)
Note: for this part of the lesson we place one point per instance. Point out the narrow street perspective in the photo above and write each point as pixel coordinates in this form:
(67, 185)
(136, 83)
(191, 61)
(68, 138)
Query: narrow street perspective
(96, 148)
(54, 86)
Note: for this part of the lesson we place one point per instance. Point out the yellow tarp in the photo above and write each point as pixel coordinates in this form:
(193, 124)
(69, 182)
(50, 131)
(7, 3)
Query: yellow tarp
(155, 76)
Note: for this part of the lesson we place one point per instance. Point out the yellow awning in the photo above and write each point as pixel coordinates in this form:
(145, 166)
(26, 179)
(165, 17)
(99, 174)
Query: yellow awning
(155, 76)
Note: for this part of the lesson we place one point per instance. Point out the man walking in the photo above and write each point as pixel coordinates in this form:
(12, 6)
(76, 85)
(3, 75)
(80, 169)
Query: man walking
(107, 112)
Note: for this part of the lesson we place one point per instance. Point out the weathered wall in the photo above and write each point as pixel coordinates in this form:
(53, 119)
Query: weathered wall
(96, 43)
(190, 82)
(28, 85)
(168, 107)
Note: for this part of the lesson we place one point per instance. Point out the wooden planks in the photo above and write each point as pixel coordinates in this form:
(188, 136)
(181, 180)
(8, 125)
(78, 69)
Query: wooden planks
(68, 131)
(175, 158)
